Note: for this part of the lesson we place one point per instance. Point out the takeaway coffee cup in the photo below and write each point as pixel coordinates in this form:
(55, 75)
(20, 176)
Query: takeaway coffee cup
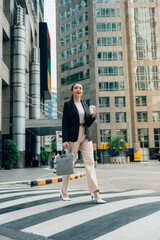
(91, 109)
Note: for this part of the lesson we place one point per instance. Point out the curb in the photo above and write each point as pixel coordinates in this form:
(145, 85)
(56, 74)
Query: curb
(54, 180)
(27, 182)
(119, 163)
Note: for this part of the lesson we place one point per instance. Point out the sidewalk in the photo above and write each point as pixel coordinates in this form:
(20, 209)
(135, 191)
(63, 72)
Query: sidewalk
(35, 175)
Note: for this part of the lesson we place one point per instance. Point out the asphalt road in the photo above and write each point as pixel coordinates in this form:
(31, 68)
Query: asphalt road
(132, 211)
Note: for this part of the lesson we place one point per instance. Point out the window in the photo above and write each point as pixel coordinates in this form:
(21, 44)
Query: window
(113, 1)
(109, 41)
(104, 102)
(110, 71)
(119, 101)
(143, 137)
(72, 10)
(111, 86)
(108, 12)
(120, 41)
(120, 117)
(156, 116)
(110, 56)
(104, 117)
(105, 135)
(75, 63)
(141, 101)
(108, 27)
(75, 49)
(142, 117)
(157, 137)
(74, 36)
(75, 77)
(120, 56)
(122, 133)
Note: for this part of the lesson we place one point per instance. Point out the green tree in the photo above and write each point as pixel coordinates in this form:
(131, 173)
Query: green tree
(115, 146)
(10, 152)
(44, 157)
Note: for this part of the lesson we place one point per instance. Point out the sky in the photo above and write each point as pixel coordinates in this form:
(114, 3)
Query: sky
(49, 17)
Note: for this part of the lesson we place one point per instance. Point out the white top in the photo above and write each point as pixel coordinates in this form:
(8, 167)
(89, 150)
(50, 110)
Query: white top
(80, 111)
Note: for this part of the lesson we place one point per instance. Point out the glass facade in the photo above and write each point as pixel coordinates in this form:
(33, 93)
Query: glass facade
(144, 33)
(147, 77)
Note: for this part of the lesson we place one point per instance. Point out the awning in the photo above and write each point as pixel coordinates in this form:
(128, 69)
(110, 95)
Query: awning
(43, 127)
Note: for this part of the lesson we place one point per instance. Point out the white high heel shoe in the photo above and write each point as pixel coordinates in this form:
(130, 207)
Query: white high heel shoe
(64, 198)
(100, 201)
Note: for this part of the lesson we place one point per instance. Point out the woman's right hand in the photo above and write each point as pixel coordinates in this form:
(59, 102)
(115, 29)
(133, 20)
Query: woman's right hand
(65, 145)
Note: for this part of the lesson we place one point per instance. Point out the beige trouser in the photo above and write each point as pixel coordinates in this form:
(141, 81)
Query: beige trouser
(86, 148)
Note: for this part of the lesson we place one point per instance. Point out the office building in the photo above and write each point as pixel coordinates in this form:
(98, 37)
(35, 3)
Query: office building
(112, 48)
(51, 107)
(21, 86)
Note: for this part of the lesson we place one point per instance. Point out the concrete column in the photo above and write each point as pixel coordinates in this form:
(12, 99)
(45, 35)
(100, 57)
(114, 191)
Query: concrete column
(35, 96)
(1, 37)
(0, 122)
(19, 45)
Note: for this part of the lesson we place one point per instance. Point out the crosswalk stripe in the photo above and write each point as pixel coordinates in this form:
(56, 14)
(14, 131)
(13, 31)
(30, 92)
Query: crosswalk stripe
(21, 193)
(18, 214)
(149, 224)
(74, 219)
(39, 211)
(32, 199)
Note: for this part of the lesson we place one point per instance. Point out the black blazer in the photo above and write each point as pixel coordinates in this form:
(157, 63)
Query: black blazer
(70, 121)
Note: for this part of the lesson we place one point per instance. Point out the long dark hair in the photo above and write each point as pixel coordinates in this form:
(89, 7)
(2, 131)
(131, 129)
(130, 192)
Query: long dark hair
(71, 98)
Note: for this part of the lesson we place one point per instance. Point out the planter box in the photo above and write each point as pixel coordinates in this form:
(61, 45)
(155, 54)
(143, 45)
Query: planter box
(117, 159)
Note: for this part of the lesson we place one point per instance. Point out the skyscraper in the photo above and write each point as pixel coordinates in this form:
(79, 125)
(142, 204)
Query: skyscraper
(21, 88)
(112, 47)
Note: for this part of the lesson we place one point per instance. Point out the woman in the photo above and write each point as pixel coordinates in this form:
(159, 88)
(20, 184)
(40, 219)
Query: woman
(75, 133)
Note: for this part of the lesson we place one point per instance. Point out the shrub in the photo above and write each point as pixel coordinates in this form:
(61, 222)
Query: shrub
(10, 152)
(44, 157)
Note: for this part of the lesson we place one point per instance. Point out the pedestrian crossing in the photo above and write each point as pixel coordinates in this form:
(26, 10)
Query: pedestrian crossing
(38, 213)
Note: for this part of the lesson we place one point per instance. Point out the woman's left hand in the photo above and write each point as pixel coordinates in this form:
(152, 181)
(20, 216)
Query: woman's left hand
(94, 114)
